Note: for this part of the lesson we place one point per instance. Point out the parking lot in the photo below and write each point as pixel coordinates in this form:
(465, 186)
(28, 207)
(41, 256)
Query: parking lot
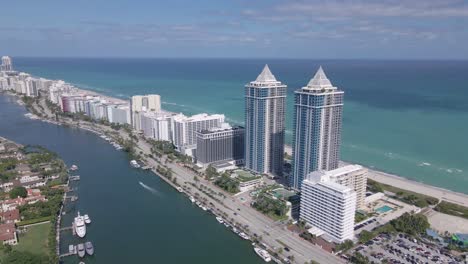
(404, 249)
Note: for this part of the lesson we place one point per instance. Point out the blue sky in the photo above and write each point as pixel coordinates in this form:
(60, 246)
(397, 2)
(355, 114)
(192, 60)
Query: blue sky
(236, 28)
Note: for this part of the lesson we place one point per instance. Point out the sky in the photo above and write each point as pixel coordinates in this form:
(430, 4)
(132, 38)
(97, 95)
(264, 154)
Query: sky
(331, 29)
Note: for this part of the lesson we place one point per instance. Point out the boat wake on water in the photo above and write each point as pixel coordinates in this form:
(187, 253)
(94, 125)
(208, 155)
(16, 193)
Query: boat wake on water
(152, 190)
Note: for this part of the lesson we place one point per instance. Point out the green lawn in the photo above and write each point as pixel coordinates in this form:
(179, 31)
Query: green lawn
(35, 240)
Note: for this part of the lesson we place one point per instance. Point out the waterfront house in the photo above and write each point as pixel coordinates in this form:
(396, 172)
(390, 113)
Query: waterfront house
(12, 216)
(23, 168)
(8, 234)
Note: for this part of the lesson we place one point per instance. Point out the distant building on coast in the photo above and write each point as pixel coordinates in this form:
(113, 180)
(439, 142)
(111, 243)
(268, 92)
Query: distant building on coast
(265, 106)
(224, 144)
(144, 103)
(329, 208)
(157, 125)
(317, 128)
(184, 130)
(7, 64)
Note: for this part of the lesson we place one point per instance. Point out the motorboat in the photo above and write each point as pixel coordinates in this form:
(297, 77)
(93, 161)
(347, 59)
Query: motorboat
(244, 236)
(80, 227)
(81, 250)
(87, 220)
(263, 254)
(219, 219)
(89, 248)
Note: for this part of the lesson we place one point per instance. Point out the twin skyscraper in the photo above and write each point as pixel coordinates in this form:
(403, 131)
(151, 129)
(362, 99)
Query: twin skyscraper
(318, 109)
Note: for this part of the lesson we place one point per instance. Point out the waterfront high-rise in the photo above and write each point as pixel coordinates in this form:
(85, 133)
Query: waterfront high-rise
(352, 176)
(7, 65)
(144, 103)
(265, 106)
(184, 130)
(328, 207)
(317, 128)
(224, 144)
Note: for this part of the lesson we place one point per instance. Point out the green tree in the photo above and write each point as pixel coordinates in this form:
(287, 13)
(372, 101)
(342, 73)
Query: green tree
(18, 191)
(346, 245)
(411, 224)
(210, 172)
(365, 236)
(358, 258)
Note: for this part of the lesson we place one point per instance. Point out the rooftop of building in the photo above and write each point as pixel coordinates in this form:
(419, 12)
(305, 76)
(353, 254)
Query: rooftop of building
(329, 185)
(7, 231)
(266, 79)
(244, 176)
(197, 117)
(323, 175)
(11, 215)
(220, 129)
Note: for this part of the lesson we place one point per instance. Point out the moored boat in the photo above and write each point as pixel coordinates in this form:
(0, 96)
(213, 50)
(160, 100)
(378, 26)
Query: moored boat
(204, 208)
(80, 227)
(89, 248)
(73, 167)
(263, 254)
(244, 236)
(87, 220)
(134, 164)
(81, 250)
(192, 199)
(71, 249)
(179, 189)
(219, 219)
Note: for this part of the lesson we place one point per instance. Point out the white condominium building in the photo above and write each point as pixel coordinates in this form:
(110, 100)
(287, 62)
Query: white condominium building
(184, 128)
(352, 176)
(118, 113)
(329, 208)
(157, 125)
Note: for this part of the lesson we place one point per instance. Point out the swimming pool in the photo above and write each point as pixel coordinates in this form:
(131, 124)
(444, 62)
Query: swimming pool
(384, 209)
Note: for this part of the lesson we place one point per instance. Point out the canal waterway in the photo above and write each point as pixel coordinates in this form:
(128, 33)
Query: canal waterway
(136, 217)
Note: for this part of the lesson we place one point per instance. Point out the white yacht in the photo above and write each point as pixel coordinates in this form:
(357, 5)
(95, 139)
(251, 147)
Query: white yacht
(192, 199)
(244, 236)
(219, 219)
(263, 254)
(73, 167)
(80, 227)
(87, 220)
(134, 164)
(179, 189)
(204, 208)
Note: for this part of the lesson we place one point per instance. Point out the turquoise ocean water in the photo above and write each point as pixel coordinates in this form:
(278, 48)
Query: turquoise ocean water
(408, 118)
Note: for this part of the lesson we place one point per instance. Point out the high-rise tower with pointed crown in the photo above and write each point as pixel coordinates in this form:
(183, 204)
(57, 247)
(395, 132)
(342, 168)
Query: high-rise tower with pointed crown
(265, 107)
(317, 128)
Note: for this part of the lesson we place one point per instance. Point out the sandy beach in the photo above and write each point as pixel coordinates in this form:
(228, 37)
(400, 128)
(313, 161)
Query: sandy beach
(406, 184)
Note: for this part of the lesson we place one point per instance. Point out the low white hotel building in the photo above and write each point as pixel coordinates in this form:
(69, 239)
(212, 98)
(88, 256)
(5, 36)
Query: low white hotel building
(329, 208)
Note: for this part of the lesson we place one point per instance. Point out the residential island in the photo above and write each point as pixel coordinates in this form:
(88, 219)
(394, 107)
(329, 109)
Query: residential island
(297, 204)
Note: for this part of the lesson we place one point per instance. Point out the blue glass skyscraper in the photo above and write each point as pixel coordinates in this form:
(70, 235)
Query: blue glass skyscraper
(317, 128)
(265, 106)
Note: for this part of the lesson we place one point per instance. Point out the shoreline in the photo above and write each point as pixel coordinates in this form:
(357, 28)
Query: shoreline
(221, 207)
(374, 174)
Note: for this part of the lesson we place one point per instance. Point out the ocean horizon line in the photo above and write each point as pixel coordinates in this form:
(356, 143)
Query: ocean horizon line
(244, 58)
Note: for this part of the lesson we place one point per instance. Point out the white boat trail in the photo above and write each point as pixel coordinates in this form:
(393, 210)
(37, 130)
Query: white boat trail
(152, 190)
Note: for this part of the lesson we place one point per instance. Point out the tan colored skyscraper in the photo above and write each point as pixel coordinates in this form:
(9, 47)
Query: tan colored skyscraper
(144, 103)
